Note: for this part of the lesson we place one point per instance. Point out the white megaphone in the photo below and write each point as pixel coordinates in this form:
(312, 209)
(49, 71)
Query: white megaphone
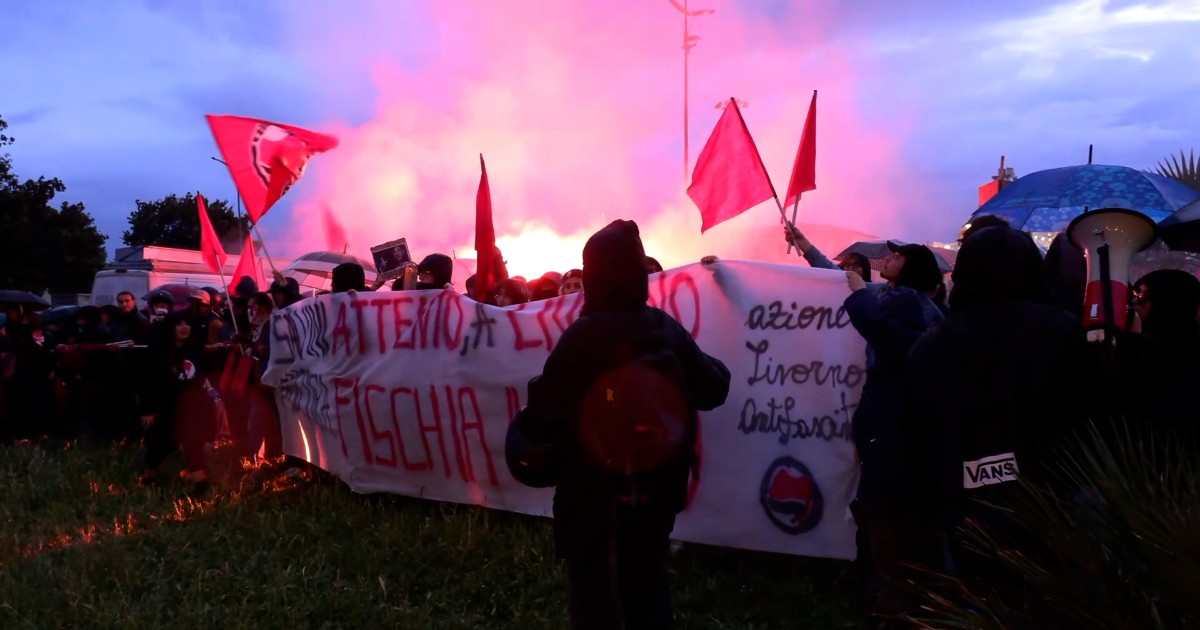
(1109, 237)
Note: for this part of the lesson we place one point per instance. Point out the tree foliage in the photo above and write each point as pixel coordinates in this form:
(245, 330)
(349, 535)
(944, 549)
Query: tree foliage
(42, 246)
(1182, 168)
(174, 222)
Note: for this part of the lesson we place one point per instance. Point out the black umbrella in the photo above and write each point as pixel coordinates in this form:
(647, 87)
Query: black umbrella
(180, 293)
(877, 251)
(59, 314)
(1181, 230)
(9, 296)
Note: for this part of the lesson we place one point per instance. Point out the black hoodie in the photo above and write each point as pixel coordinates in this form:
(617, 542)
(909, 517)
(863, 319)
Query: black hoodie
(614, 270)
(1160, 375)
(1000, 383)
(615, 316)
(170, 369)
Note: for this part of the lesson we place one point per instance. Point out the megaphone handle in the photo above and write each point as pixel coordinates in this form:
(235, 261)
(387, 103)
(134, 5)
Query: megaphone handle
(1106, 292)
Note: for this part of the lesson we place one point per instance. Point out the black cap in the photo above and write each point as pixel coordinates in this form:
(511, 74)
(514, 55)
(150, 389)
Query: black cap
(160, 297)
(921, 271)
(441, 266)
(245, 287)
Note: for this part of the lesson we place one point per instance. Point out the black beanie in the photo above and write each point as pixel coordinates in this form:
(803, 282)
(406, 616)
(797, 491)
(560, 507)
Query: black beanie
(349, 277)
(441, 266)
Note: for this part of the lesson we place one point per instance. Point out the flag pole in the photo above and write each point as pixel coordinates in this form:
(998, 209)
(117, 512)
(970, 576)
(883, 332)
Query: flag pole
(796, 206)
(254, 226)
(232, 318)
(774, 195)
(202, 209)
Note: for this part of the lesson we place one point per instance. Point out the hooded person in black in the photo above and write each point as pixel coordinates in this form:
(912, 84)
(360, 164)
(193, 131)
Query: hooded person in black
(29, 391)
(87, 365)
(615, 549)
(995, 391)
(1162, 374)
(435, 272)
(1066, 274)
(176, 408)
(284, 291)
(349, 277)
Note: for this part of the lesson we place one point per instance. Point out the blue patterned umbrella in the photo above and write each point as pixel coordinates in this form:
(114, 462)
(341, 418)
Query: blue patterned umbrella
(1046, 201)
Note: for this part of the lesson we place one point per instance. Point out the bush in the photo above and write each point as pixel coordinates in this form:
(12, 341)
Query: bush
(1120, 550)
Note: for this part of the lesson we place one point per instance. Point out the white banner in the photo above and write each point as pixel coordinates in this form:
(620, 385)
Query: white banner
(412, 393)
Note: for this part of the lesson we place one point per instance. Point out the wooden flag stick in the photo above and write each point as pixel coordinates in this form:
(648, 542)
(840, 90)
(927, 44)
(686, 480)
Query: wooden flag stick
(263, 243)
(795, 208)
(783, 215)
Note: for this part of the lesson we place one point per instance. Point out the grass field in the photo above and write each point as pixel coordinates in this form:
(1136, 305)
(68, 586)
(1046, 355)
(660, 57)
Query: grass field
(83, 545)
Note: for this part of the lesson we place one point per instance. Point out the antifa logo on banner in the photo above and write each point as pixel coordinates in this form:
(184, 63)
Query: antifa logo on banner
(273, 145)
(790, 496)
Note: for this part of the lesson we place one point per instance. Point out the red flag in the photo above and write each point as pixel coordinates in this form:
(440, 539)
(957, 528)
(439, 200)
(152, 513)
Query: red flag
(265, 158)
(485, 239)
(804, 171)
(210, 246)
(335, 236)
(729, 177)
(248, 266)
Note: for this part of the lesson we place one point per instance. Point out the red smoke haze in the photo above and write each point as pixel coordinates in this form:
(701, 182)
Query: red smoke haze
(577, 108)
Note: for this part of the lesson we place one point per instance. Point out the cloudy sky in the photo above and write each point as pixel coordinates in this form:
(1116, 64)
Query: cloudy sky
(577, 105)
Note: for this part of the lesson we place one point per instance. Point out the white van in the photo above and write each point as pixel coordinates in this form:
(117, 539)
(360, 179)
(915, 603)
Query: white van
(141, 269)
(109, 283)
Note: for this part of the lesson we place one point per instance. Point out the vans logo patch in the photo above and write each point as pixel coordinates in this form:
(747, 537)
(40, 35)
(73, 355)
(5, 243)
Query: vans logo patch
(990, 471)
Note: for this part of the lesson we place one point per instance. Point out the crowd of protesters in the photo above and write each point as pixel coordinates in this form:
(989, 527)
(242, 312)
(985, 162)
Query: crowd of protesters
(965, 388)
(178, 376)
(181, 376)
(963, 395)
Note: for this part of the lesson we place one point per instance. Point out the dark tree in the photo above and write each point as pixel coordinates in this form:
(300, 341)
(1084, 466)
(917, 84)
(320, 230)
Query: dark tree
(43, 247)
(174, 222)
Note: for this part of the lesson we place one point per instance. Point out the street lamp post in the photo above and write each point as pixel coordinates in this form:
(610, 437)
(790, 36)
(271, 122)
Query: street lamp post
(689, 42)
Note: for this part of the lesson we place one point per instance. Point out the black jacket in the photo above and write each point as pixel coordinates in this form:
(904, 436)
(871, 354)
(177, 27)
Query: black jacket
(1005, 379)
(167, 373)
(585, 491)
(890, 322)
(615, 321)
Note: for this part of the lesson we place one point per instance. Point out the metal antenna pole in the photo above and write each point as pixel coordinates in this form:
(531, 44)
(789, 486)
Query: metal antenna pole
(689, 42)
